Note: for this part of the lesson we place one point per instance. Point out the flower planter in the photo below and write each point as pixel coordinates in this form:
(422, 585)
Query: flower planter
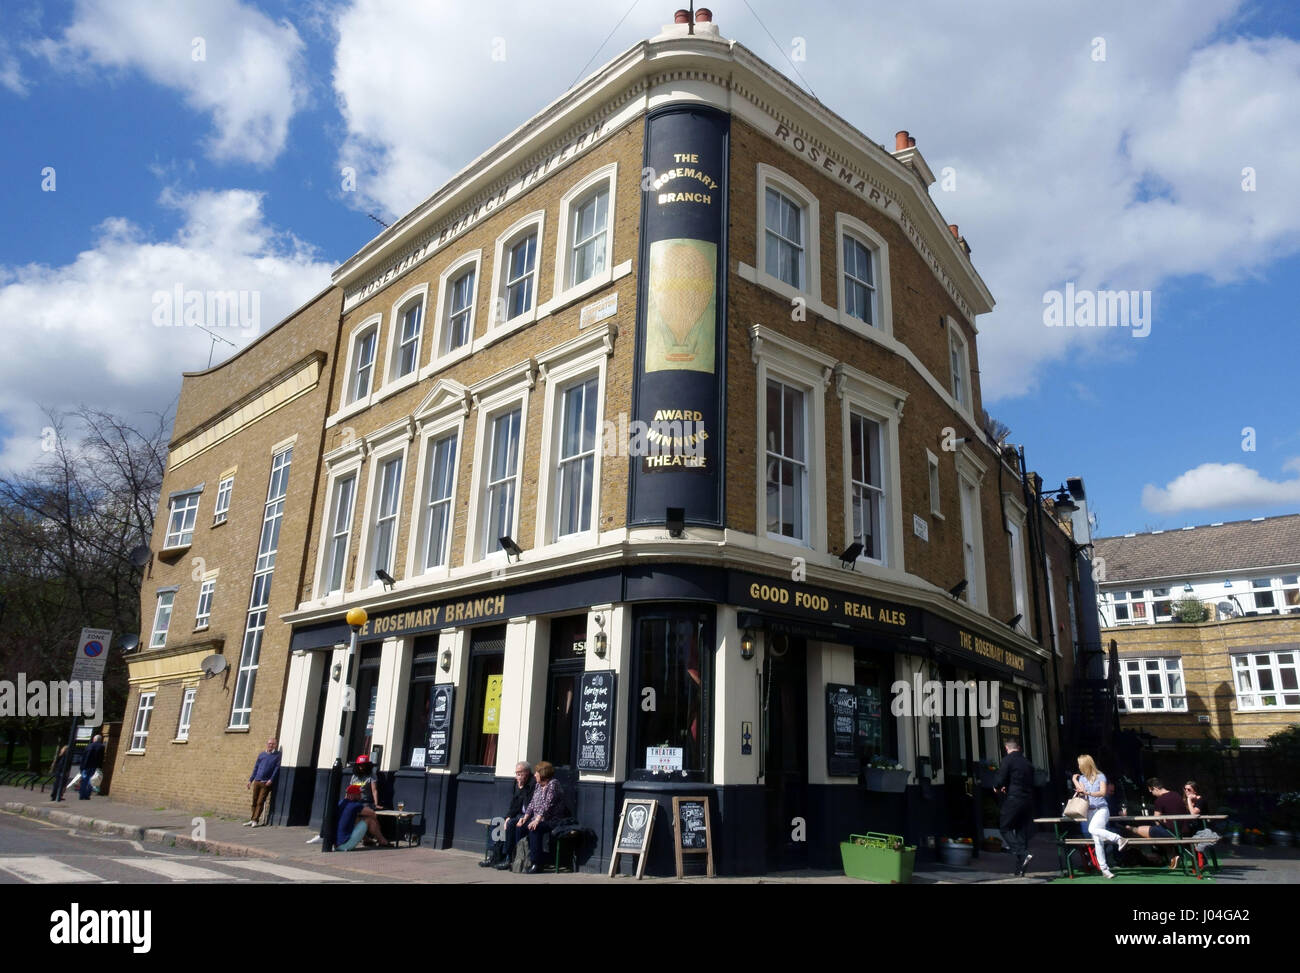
(887, 781)
(955, 853)
(878, 858)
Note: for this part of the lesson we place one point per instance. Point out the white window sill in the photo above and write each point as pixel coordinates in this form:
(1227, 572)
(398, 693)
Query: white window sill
(201, 628)
(218, 520)
(351, 409)
(448, 359)
(135, 753)
(499, 329)
(589, 286)
(177, 548)
(937, 516)
(160, 645)
(1268, 709)
(181, 740)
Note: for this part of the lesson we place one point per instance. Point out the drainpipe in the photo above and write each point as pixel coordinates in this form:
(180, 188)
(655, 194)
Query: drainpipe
(1031, 494)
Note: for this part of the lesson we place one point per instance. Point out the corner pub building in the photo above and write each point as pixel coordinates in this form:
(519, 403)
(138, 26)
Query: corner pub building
(649, 446)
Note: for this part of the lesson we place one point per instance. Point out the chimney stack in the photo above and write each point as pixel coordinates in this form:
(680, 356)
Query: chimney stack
(952, 228)
(902, 140)
(704, 16)
(682, 17)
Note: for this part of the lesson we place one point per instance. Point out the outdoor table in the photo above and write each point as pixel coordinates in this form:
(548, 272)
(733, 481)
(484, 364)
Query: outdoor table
(1061, 827)
(403, 825)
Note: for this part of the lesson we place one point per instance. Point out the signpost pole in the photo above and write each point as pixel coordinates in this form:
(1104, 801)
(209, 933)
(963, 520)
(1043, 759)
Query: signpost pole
(87, 670)
(329, 818)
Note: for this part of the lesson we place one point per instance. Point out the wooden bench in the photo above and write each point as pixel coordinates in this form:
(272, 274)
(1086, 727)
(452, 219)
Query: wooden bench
(1186, 844)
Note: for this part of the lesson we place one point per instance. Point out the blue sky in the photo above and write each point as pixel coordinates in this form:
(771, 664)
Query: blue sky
(1123, 171)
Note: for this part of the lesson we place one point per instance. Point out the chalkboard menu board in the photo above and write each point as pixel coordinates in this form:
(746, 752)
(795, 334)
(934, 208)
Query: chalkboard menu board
(1009, 713)
(690, 819)
(440, 713)
(596, 721)
(852, 727)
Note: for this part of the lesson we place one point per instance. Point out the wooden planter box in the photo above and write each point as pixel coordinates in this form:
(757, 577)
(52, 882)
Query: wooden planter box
(887, 781)
(872, 858)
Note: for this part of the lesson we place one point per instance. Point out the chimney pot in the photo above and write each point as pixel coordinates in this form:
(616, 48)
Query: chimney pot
(682, 17)
(911, 142)
(952, 228)
(900, 140)
(704, 16)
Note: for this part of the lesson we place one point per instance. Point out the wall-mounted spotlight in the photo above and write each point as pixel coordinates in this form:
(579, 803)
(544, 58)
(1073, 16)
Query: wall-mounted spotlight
(513, 550)
(849, 556)
(1014, 620)
(675, 521)
(959, 588)
(387, 579)
(747, 644)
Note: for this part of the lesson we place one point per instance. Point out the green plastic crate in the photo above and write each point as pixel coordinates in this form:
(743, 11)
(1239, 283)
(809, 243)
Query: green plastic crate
(876, 860)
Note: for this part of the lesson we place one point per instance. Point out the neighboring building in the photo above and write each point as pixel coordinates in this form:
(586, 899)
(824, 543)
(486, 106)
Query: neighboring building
(1235, 675)
(650, 445)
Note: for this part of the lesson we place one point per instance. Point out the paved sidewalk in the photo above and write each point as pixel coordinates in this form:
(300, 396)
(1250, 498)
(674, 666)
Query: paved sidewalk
(224, 836)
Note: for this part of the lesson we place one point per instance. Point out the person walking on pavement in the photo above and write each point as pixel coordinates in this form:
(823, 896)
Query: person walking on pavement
(91, 761)
(1091, 783)
(262, 779)
(1015, 781)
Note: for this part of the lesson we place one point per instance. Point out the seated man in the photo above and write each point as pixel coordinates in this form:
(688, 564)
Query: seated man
(355, 821)
(1166, 802)
(519, 798)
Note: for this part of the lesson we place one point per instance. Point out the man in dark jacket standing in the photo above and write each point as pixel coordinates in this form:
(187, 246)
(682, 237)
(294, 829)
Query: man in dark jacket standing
(1015, 782)
(91, 761)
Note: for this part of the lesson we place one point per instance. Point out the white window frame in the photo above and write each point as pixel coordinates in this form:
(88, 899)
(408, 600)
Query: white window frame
(179, 503)
(1251, 700)
(350, 400)
(186, 714)
(561, 368)
(883, 403)
(494, 396)
(791, 187)
(970, 474)
(225, 489)
(351, 477)
(208, 591)
(1017, 521)
(340, 463)
(785, 360)
(878, 248)
(935, 485)
(415, 296)
(441, 358)
(143, 717)
(169, 595)
(1143, 667)
(533, 223)
(562, 291)
(961, 372)
(388, 443)
(418, 550)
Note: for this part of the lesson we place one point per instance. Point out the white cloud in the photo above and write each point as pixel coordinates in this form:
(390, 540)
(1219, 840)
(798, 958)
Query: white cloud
(1123, 173)
(1222, 486)
(87, 327)
(249, 75)
(1292, 465)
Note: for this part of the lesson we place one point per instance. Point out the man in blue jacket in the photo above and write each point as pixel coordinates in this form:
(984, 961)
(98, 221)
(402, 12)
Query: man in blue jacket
(262, 779)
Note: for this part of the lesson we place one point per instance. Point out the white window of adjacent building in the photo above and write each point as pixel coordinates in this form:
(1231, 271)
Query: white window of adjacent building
(1267, 680)
(340, 531)
(222, 509)
(259, 598)
(1130, 607)
(868, 485)
(585, 240)
(383, 538)
(1290, 593)
(361, 368)
(162, 618)
(788, 236)
(143, 715)
(407, 333)
(440, 467)
(576, 460)
(959, 364)
(187, 712)
(1276, 596)
(516, 270)
(1016, 534)
(863, 279)
(1162, 606)
(1151, 685)
(501, 484)
(786, 429)
(204, 612)
(183, 510)
(932, 469)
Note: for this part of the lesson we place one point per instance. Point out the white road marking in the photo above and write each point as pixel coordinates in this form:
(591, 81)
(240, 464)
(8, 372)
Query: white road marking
(283, 871)
(177, 871)
(46, 871)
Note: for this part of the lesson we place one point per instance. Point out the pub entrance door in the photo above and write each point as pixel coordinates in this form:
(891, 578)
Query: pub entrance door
(785, 751)
(961, 783)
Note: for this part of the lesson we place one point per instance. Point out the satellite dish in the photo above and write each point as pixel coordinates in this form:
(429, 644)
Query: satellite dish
(129, 643)
(139, 555)
(213, 664)
(1225, 608)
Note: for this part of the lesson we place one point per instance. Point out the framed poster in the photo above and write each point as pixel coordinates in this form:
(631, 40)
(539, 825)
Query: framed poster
(636, 823)
(442, 706)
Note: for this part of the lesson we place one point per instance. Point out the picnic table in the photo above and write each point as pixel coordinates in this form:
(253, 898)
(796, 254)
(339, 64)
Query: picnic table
(1069, 836)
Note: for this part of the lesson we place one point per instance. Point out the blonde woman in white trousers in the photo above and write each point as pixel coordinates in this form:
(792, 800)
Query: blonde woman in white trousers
(1090, 782)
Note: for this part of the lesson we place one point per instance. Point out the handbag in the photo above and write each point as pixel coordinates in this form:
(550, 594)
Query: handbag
(1076, 807)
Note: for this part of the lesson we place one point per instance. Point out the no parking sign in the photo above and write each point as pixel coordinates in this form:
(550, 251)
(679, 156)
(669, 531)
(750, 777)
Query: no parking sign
(92, 655)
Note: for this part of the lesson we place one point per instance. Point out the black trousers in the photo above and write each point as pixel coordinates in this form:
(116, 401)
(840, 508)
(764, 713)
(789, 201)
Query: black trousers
(1015, 820)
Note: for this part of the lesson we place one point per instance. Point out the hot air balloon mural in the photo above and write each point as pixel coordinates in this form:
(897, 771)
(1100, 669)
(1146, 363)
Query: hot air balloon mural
(681, 312)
